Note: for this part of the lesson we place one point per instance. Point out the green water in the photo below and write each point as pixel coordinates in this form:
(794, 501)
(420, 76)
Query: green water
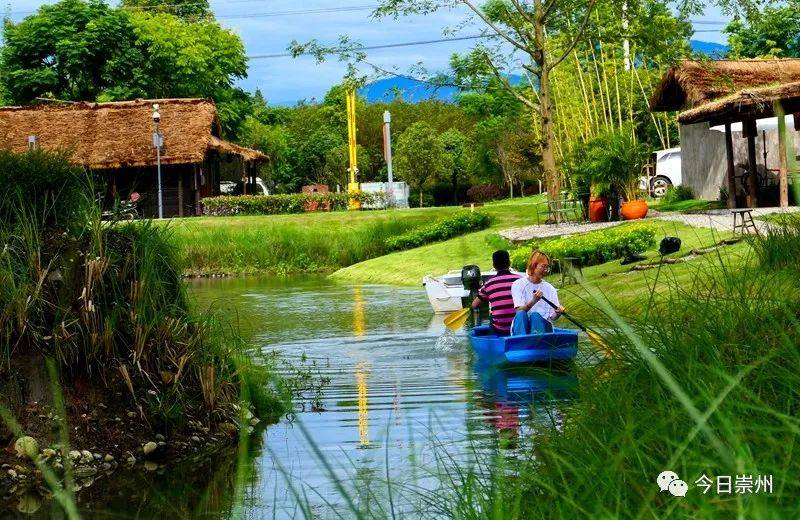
(399, 401)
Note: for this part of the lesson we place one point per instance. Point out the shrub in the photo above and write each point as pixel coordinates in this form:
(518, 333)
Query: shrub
(677, 194)
(458, 224)
(592, 248)
(43, 186)
(485, 193)
(226, 205)
(105, 301)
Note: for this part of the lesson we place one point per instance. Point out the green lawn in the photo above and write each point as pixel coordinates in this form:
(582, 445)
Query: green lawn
(312, 242)
(686, 205)
(624, 287)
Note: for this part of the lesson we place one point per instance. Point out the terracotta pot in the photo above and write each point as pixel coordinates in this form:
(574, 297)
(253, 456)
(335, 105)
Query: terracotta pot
(598, 209)
(634, 209)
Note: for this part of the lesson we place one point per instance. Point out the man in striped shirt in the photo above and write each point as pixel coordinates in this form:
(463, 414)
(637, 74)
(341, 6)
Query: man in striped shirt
(497, 291)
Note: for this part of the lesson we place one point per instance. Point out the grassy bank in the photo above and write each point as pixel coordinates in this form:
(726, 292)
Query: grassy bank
(96, 332)
(408, 267)
(311, 242)
(707, 385)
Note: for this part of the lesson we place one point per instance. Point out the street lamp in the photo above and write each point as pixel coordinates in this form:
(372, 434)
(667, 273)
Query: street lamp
(158, 142)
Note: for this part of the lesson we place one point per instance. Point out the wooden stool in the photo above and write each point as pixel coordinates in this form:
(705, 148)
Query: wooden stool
(568, 265)
(743, 221)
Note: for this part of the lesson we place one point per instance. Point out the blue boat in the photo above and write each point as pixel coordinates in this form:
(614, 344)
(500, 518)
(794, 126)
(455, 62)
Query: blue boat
(559, 345)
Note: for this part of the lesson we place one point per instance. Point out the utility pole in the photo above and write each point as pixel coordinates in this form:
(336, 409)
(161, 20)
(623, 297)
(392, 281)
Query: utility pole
(387, 152)
(158, 142)
(353, 188)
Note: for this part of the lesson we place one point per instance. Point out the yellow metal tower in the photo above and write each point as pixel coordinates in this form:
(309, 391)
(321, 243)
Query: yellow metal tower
(353, 188)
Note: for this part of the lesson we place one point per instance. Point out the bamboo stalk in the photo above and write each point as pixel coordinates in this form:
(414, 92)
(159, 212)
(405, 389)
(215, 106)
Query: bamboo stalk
(599, 85)
(589, 121)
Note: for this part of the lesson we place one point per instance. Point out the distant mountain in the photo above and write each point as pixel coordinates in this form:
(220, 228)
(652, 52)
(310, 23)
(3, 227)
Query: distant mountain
(411, 90)
(712, 50)
(414, 91)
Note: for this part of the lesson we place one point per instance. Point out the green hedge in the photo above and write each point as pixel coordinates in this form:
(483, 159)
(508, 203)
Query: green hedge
(227, 205)
(458, 224)
(592, 248)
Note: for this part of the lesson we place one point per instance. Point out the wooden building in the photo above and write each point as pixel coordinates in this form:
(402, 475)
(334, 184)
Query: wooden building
(725, 135)
(115, 140)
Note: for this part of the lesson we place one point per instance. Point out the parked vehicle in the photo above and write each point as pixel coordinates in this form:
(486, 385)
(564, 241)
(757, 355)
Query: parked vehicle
(235, 188)
(663, 171)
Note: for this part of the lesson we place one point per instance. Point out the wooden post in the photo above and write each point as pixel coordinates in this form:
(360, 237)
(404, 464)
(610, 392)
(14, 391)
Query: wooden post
(750, 130)
(782, 177)
(180, 194)
(731, 167)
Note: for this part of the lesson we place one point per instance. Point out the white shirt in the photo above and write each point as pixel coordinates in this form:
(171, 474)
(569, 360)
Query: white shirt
(522, 292)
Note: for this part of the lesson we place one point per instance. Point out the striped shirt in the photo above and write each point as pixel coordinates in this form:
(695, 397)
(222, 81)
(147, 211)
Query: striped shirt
(497, 291)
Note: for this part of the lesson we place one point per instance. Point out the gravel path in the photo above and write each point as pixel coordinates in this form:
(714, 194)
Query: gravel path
(720, 219)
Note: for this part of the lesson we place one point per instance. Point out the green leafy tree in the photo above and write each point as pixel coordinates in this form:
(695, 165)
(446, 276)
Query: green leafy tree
(773, 32)
(191, 9)
(85, 50)
(460, 155)
(421, 157)
(72, 50)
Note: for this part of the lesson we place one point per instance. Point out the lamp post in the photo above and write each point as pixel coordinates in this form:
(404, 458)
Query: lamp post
(387, 152)
(158, 142)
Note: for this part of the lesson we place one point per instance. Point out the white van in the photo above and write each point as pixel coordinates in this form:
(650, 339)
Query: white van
(664, 171)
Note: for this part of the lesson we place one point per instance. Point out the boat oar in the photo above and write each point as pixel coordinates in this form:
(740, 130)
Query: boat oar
(456, 320)
(595, 338)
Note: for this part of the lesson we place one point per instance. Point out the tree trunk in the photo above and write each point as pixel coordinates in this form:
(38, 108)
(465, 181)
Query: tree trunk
(420, 196)
(546, 109)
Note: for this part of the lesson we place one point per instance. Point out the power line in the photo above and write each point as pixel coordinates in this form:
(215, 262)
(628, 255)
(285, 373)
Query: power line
(385, 46)
(267, 14)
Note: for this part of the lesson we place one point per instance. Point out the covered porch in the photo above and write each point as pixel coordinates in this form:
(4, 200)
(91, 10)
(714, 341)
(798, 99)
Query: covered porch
(745, 109)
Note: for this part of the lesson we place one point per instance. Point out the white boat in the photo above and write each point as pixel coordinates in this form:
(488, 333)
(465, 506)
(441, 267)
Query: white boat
(445, 292)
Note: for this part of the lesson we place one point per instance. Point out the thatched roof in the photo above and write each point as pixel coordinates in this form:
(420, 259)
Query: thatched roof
(693, 83)
(753, 103)
(119, 135)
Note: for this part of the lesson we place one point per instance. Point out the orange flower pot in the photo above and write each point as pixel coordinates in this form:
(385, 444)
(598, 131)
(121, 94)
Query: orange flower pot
(598, 209)
(634, 209)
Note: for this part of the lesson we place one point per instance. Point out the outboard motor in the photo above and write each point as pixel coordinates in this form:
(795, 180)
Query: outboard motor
(471, 278)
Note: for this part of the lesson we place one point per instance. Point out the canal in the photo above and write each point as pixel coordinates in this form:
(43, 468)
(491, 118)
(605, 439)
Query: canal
(399, 411)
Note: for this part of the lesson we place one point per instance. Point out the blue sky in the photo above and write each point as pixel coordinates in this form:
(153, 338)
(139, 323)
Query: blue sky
(268, 26)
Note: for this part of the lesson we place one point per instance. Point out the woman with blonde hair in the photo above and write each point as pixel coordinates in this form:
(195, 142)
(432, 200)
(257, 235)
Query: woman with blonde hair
(534, 315)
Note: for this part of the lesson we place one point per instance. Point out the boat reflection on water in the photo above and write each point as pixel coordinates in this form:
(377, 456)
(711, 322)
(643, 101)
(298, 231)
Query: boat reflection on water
(515, 400)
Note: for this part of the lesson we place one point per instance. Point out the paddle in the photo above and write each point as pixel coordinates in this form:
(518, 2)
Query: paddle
(456, 320)
(593, 336)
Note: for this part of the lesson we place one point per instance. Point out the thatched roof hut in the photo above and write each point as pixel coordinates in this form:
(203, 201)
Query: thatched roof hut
(747, 103)
(693, 83)
(723, 92)
(119, 135)
(116, 141)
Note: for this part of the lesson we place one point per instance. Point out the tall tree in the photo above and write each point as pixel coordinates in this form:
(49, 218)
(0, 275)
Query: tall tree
(773, 32)
(460, 157)
(191, 9)
(84, 50)
(420, 157)
(527, 29)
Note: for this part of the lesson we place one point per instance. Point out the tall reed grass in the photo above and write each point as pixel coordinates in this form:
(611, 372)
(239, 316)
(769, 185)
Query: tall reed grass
(106, 302)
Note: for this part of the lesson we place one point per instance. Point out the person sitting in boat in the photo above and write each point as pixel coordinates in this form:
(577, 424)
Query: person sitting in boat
(497, 291)
(533, 313)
